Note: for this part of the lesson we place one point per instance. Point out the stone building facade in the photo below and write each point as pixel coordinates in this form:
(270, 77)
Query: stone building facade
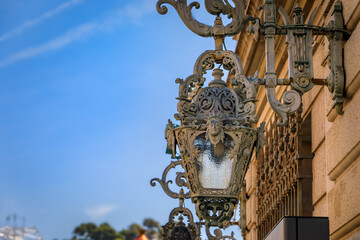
(310, 167)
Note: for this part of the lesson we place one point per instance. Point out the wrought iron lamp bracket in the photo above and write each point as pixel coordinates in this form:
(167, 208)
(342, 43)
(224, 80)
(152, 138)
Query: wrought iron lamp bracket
(299, 40)
(215, 7)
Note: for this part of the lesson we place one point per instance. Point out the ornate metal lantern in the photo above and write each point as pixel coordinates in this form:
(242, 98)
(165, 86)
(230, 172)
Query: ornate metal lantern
(217, 135)
(215, 138)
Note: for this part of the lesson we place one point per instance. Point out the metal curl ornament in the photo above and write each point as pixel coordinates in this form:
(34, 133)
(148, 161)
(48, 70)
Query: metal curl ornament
(180, 181)
(218, 235)
(214, 7)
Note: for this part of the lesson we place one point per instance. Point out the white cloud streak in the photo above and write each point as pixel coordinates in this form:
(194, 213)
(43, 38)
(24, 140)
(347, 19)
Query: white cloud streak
(30, 23)
(100, 211)
(135, 13)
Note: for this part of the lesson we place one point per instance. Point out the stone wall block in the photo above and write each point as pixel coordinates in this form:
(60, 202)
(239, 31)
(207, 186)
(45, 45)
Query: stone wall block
(349, 6)
(344, 134)
(249, 177)
(352, 57)
(319, 174)
(309, 97)
(249, 210)
(321, 208)
(344, 198)
(354, 235)
(318, 121)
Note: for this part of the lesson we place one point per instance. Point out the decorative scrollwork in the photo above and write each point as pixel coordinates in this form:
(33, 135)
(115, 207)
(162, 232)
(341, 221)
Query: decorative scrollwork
(281, 168)
(180, 181)
(215, 101)
(190, 87)
(246, 89)
(217, 7)
(214, 7)
(232, 62)
(178, 230)
(184, 11)
(299, 41)
(218, 235)
(206, 61)
(242, 152)
(215, 211)
(292, 102)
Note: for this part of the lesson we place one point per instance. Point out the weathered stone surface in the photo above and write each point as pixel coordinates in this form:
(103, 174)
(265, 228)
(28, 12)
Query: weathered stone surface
(248, 177)
(344, 134)
(320, 56)
(321, 208)
(318, 121)
(354, 235)
(249, 210)
(252, 234)
(319, 174)
(344, 198)
(253, 203)
(309, 97)
(352, 57)
(349, 7)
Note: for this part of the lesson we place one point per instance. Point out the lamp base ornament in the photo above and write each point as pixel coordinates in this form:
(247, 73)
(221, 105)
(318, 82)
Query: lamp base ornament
(217, 212)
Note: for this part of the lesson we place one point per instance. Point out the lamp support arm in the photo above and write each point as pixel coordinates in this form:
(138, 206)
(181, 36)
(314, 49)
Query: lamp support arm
(299, 40)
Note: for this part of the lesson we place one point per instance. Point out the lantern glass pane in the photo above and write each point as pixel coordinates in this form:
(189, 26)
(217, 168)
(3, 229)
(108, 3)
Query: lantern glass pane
(214, 165)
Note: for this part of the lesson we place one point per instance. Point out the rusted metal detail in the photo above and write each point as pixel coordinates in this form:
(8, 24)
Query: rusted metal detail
(180, 181)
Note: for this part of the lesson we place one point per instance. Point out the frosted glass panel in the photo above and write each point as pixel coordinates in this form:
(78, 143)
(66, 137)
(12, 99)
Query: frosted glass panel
(214, 164)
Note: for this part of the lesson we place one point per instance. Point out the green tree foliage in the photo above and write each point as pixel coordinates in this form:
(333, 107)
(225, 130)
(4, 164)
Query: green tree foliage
(90, 231)
(151, 223)
(153, 227)
(131, 233)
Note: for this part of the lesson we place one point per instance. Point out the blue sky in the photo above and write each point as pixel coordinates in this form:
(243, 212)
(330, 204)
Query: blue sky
(86, 89)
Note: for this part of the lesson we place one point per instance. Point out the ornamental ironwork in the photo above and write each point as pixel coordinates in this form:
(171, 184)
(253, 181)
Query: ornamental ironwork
(284, 173)
(216, 136)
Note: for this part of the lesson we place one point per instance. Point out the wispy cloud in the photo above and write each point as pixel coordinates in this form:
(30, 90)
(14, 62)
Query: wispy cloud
(30, 23)
(99, 211)
(134, 13)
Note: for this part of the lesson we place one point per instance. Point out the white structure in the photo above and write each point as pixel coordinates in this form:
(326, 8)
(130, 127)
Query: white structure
(17, 233)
